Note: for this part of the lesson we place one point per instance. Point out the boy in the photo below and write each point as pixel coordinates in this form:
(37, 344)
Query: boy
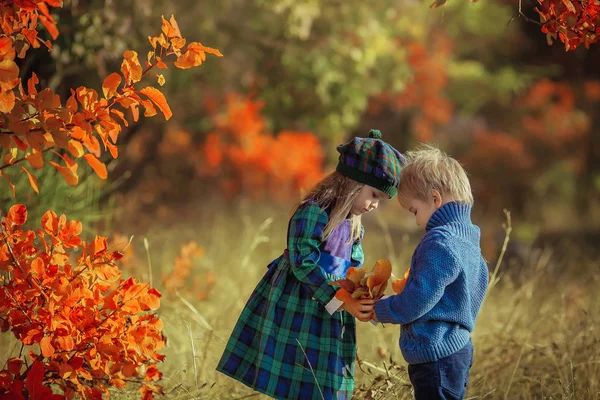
(447, 280)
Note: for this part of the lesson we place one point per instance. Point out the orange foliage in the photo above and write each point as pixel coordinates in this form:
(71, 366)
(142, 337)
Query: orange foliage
(184, 264)
(424, 94)
(572, 21)
(362, 284)
(33, 123)
(249, 160)
(551, 116)
(399, 284)
(86, 328)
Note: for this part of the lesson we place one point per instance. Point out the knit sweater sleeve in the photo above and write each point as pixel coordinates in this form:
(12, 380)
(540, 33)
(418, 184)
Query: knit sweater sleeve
(304, 238)
(435, 268)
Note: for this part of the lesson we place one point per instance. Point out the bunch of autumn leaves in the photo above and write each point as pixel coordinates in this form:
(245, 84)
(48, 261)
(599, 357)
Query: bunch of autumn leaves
(362, 283)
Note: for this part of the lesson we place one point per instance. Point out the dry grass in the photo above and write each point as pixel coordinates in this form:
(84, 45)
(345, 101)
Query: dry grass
(537, 336)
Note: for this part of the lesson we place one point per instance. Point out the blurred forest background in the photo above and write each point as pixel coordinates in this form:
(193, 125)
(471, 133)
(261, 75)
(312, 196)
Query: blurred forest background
(207, 194)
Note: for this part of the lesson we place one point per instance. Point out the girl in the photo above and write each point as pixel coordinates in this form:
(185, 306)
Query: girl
(290, 342)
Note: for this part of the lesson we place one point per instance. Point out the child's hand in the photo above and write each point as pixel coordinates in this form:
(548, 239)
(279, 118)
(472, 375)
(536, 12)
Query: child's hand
(362, 310)
(374, 317)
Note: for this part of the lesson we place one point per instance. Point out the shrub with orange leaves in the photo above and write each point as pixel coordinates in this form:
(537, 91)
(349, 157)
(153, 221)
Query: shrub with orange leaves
(85, 328)
(33, 124)
(250, 160)
(360, 283)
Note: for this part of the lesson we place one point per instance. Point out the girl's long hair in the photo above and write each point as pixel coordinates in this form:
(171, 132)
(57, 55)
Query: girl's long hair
(337, 193)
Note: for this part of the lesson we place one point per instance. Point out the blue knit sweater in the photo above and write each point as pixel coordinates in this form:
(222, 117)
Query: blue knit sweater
(444, 290)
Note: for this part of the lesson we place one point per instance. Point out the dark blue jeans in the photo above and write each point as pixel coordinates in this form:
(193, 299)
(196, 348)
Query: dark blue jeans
(444, 379)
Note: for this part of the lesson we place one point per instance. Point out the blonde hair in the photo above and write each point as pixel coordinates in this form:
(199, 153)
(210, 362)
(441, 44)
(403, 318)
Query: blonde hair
(427, 169)
(338, 193)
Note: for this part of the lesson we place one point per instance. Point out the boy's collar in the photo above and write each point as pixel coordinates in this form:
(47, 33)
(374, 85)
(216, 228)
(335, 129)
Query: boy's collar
(449, 212)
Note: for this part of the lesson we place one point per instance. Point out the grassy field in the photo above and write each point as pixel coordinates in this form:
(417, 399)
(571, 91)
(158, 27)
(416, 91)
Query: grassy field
(537, 336)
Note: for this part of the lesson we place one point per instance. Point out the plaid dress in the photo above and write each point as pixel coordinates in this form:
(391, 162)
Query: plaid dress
(285, 344)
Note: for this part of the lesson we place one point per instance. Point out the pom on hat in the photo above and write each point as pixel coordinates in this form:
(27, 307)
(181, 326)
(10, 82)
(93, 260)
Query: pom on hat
(375, 134)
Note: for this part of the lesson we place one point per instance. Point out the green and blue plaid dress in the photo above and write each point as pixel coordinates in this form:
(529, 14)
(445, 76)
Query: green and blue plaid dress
(285, 343)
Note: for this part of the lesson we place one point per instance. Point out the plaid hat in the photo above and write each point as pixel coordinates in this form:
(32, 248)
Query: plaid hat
(372, 162)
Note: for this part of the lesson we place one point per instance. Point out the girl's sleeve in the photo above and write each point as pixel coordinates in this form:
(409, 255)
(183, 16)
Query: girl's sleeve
(304, 238)
(358, 256)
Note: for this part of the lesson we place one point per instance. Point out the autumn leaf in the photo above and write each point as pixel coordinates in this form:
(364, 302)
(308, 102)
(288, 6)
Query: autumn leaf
(68, 172)
(9, 74)
(399, 284)
(110, 85)
(17, 214)
(46, 347)
(32, 180)
(159, 99)
(98, 167)
(130, 67)
(170, 28)
(7, 100)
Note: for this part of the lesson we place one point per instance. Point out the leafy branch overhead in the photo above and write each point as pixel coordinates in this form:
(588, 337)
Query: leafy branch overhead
(34, 124)
(573, 22)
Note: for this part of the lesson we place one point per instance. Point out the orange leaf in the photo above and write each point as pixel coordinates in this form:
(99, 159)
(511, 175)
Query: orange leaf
(50, 27)
(98, 167)
(50, 222)
(150, 300)
(398, 284)
(7, 100)
(17, 215)
(31, 84)
(46, 347)
(355, 275)
(110, 85)
(69, 173)
(118, 383)
(159, 99)
(9, 74)
(170, 29)
(109, 272)
(149, 107)
(32, 180)
(131, 68)
(35, 159)
(37, 267)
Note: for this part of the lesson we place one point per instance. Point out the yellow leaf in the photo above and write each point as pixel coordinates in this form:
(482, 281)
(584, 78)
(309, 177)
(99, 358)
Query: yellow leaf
(159, 99)
(161, 79)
